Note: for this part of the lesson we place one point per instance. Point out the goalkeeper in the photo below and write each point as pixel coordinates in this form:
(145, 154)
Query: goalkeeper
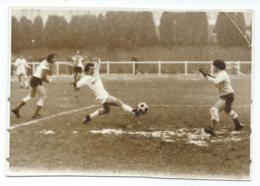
(226, 96)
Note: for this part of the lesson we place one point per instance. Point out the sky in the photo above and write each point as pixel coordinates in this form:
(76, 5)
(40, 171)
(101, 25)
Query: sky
(44, 12)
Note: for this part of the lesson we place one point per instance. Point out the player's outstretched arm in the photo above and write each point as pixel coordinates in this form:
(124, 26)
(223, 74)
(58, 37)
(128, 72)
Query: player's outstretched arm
(202, 72)
(205, 74)
(211, 78)
(97, 62)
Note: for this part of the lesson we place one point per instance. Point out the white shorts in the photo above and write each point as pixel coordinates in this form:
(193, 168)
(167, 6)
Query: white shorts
(103, 99)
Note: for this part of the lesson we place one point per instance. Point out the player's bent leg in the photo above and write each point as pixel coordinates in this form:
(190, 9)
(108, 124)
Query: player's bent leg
(114, 101)
(101, 111)
(20, 79)
(31, 95)
(105, 109)
(237, 124)
(32, 92)
(40, 102)
(26, 82)
(214, 112)
(76, 78)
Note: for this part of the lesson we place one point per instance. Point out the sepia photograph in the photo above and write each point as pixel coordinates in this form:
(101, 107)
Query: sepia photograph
(130, 92)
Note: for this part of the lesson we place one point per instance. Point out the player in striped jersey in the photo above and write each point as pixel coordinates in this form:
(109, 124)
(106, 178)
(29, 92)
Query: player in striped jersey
(77, 67)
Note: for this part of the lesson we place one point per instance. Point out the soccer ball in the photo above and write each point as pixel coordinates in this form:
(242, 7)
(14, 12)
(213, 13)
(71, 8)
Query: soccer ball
(142, 108)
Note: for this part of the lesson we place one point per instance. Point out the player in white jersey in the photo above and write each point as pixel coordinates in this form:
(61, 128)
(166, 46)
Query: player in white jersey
(21, 71)
(92, 80)
(77, 66)
(36, 84)
(222, 81)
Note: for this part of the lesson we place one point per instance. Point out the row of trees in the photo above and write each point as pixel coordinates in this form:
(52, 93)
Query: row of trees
(125, 30)
(190, 28)
(114, 30)
(227, 27)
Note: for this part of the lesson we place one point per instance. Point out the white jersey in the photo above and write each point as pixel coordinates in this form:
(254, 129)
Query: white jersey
(21, 66)
(78, 61)
(222, 82)
(44, 65)
(94, 82)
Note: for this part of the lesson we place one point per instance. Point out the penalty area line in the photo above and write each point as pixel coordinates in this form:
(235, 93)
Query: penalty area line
(50, 117)
(92, 106)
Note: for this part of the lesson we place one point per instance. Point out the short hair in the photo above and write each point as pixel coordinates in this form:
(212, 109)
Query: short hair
(50, 56)
(41, 59)
(220, 64)
(87, 66)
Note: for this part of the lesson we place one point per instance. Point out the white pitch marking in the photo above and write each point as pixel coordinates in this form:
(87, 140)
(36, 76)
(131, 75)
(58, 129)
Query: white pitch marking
(49, 117)
(83, 108)
(47, 132)
(202, 105)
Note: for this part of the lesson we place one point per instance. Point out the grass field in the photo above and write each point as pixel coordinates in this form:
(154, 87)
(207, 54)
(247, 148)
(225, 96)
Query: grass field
(166, 142)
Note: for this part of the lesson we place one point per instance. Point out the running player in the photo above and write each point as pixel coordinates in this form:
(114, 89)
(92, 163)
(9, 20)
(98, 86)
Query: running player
(226, 96)
(21, 71)
(92, 80)
(40, 75)
(77, 67)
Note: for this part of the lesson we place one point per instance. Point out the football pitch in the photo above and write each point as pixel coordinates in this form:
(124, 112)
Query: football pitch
(166, 142)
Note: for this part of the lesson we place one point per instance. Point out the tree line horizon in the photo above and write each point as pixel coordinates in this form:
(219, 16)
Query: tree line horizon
(127, 30)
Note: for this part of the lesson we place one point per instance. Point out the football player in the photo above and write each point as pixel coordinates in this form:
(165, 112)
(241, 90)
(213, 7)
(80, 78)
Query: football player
(77, 67)
(222, 81)
(21, 71)
(36, 84)
(92, 80)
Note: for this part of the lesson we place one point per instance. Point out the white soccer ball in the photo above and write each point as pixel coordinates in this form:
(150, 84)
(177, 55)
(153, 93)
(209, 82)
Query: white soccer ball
(142, 108)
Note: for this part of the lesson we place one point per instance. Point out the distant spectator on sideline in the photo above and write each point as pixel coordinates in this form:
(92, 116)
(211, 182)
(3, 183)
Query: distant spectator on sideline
(77, 67)
(21, 66)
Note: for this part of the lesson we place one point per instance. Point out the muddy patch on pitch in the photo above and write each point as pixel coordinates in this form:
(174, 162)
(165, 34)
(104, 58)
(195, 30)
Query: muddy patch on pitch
(195, 136)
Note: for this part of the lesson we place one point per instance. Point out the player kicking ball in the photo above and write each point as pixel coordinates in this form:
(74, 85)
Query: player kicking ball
(92, 80)
(226, 96)
(36, 84)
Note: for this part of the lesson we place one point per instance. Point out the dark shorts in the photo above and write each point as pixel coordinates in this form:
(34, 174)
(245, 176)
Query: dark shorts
(229, 98)
(77, 69)
(35, 82)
